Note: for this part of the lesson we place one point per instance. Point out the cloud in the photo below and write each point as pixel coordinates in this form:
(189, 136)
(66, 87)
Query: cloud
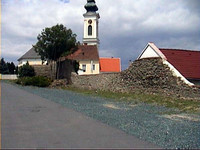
(129, 25)
(125, 26)
(23, 20)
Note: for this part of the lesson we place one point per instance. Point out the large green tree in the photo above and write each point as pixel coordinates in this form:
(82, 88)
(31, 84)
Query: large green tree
(54, 42)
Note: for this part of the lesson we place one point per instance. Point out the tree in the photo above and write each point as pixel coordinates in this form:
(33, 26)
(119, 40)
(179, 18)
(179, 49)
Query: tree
(16, 70)
(26, 71)
(11, 67)
(7, 67)
(3, 67)
(53, 42)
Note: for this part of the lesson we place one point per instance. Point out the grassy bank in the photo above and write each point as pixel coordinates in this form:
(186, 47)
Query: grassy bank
(184, 105)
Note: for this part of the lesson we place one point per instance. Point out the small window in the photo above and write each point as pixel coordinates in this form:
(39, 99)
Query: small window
(84, 68)
(93, 67)
(89, 30)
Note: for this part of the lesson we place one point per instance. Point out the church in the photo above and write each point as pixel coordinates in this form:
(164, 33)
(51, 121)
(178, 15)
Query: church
(87, 53)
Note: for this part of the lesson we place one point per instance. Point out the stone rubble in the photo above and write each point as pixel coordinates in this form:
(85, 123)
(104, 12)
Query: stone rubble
(149, 75)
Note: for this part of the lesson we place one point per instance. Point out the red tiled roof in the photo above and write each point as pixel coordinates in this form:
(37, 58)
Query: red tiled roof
(85, 52)
(110, 64)
(187, 62)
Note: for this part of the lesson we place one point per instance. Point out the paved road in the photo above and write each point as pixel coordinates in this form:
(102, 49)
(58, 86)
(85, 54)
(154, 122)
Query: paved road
(29, 121)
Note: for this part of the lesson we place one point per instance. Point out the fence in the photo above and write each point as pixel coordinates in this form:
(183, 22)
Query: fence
(8, 76)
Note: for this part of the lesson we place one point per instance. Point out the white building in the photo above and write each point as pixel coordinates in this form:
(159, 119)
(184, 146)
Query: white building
(31, 57)
(183, 63)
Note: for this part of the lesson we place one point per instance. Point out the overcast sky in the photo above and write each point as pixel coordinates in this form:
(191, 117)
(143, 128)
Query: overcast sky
(126, 26)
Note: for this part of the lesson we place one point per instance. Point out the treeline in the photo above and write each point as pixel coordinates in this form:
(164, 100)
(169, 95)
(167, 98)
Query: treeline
(8, 67)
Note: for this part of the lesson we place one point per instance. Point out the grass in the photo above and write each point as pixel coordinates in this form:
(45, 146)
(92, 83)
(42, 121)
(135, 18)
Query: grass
(183, 105)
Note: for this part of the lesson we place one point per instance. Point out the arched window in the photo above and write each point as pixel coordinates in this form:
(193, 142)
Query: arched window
(89, 30)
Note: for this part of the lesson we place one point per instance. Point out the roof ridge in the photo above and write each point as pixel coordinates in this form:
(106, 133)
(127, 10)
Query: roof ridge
(30, 54)
(109, 57)
(89, 45)
(179, 49)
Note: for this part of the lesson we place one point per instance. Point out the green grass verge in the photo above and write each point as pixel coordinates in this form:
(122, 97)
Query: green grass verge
(184, 105)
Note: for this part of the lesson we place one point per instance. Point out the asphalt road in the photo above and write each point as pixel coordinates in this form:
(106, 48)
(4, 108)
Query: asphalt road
(29, 121)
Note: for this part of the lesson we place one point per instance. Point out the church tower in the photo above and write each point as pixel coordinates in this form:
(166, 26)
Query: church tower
(91, 21)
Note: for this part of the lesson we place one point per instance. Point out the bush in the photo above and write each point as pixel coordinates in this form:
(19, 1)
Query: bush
(26, 71)
(39, 81)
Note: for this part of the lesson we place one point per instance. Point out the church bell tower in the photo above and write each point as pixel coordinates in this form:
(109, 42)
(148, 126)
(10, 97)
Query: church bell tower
(91, 20)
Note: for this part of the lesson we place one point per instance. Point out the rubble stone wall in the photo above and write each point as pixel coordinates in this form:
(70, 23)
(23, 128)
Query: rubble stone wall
(96, 82)
(42, 70)
(149, 75)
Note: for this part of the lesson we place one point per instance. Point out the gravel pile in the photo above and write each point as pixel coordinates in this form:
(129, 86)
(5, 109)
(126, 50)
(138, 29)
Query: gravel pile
(148, 122)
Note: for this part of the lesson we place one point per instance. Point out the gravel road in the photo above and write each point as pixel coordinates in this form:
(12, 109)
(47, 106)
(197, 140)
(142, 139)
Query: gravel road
(151, 123)
(29, 121)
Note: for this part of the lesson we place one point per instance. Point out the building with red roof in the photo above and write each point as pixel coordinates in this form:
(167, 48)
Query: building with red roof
(87, 54)
(91, 63)
(110, 65)
(184, 63)
(88, 58)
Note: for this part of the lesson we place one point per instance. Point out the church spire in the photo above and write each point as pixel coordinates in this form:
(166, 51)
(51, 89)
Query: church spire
(91, 21)
(91, 6)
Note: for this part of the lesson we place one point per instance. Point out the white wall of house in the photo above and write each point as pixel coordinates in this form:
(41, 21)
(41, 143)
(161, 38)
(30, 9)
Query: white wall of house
(91, 67)
(31, 62)
(149, 53)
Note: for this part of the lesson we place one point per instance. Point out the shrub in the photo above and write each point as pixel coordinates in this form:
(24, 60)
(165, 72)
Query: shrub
(39, 81)
(26, 71)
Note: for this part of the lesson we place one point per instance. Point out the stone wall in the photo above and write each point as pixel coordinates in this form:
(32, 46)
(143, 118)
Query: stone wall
(149, 75)
(97, 82)
(64, 70)
(42, 70)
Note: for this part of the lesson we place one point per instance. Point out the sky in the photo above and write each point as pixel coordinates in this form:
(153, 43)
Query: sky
(125, 26)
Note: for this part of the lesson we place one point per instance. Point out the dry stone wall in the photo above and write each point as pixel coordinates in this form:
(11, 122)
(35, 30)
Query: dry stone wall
(97, 82)
(149, 75)
(153, 75)
(42, 70)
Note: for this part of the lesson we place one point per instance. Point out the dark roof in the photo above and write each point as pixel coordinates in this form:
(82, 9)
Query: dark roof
(31, 54)
(91, 6)
(85, 52)
(110, 65)
(187, 62)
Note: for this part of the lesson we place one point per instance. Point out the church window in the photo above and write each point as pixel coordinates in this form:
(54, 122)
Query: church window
(89, 30)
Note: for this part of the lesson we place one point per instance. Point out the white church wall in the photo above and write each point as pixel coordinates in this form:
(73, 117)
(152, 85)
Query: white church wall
(94, 27)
